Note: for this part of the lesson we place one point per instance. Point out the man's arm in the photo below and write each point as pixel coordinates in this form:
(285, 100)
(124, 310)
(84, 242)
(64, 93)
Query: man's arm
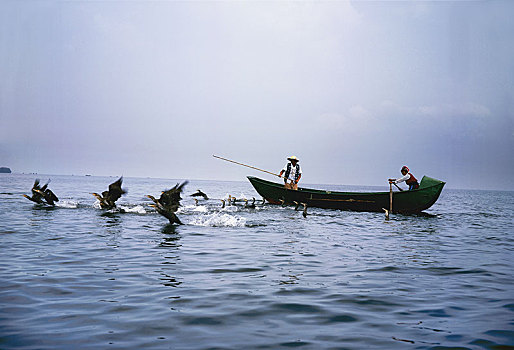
(402, 179)
(280, 175)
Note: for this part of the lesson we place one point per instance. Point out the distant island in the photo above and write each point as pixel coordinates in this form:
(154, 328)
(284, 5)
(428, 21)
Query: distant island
(5, 170)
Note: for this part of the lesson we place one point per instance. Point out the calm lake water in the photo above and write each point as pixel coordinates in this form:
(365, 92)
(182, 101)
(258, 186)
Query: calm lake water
(77, 277)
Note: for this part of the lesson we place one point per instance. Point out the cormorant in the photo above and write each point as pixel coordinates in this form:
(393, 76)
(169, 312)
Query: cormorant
(199, 193)
(49, 196)
(250, 206)
(108, 198)
(169, 202)
(36, 196)
(42, 192)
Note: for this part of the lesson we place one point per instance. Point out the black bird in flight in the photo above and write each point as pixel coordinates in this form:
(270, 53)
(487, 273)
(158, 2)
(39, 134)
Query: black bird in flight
(108, 198)
(40, 193)
(169, 202)
(199, 193)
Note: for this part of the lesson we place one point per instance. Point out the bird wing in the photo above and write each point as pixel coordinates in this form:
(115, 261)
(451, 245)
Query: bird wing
(199, 193)
(115, 190)
(45, 186)
(50, 196)
(171, 198)
(36, 185)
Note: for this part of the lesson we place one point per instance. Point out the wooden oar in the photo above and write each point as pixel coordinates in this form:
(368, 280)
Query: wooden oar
(390, 201)
(392, 181)
(390, 198)
(249, 166)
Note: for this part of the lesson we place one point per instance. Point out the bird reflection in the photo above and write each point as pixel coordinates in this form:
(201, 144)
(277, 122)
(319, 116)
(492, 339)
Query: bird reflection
(290, 279)
(111, 215)
(112, 222)
(169, 281)
(169, 229)
(170, 237)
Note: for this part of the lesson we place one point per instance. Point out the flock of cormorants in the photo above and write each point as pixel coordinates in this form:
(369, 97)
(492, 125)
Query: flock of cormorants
(166, 205)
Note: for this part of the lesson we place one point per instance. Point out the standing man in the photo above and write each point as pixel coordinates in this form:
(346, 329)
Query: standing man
(293, 173)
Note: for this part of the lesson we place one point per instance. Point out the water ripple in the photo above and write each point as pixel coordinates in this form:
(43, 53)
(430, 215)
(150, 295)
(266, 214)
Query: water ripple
(75, 276)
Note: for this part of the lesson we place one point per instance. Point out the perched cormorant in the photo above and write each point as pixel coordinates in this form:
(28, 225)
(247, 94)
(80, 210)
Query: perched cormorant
(42, 192)
(199, 193)
(168, 203)
(108, 198)
(250, 206)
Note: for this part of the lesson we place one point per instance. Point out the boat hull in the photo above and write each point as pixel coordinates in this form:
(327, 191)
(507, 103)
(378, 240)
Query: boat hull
(403, 202)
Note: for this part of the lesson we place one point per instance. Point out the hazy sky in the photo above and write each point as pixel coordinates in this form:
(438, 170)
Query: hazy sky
(353, 89)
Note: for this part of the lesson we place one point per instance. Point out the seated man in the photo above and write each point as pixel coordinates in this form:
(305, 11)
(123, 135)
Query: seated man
(293, 173)
(409, 179)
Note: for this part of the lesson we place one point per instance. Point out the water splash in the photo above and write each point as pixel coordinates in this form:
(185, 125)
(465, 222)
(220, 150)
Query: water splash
(229, 208)
(138, 209)
(219, 220)
(67, 204)
(200, 209)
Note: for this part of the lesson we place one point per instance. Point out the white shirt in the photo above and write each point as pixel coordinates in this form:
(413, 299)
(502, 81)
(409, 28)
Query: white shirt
(292, 174)
(402, 179)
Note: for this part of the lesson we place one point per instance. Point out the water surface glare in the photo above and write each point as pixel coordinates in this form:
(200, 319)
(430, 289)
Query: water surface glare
(76, 276)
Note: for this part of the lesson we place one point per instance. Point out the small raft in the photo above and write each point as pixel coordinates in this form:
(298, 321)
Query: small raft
(403, 202)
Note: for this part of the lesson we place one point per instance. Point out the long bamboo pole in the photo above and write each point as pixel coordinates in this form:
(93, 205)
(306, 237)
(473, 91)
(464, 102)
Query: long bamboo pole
(249, 166)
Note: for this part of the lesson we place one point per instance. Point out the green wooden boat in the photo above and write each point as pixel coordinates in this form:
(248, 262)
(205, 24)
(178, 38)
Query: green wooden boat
(403, 202)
